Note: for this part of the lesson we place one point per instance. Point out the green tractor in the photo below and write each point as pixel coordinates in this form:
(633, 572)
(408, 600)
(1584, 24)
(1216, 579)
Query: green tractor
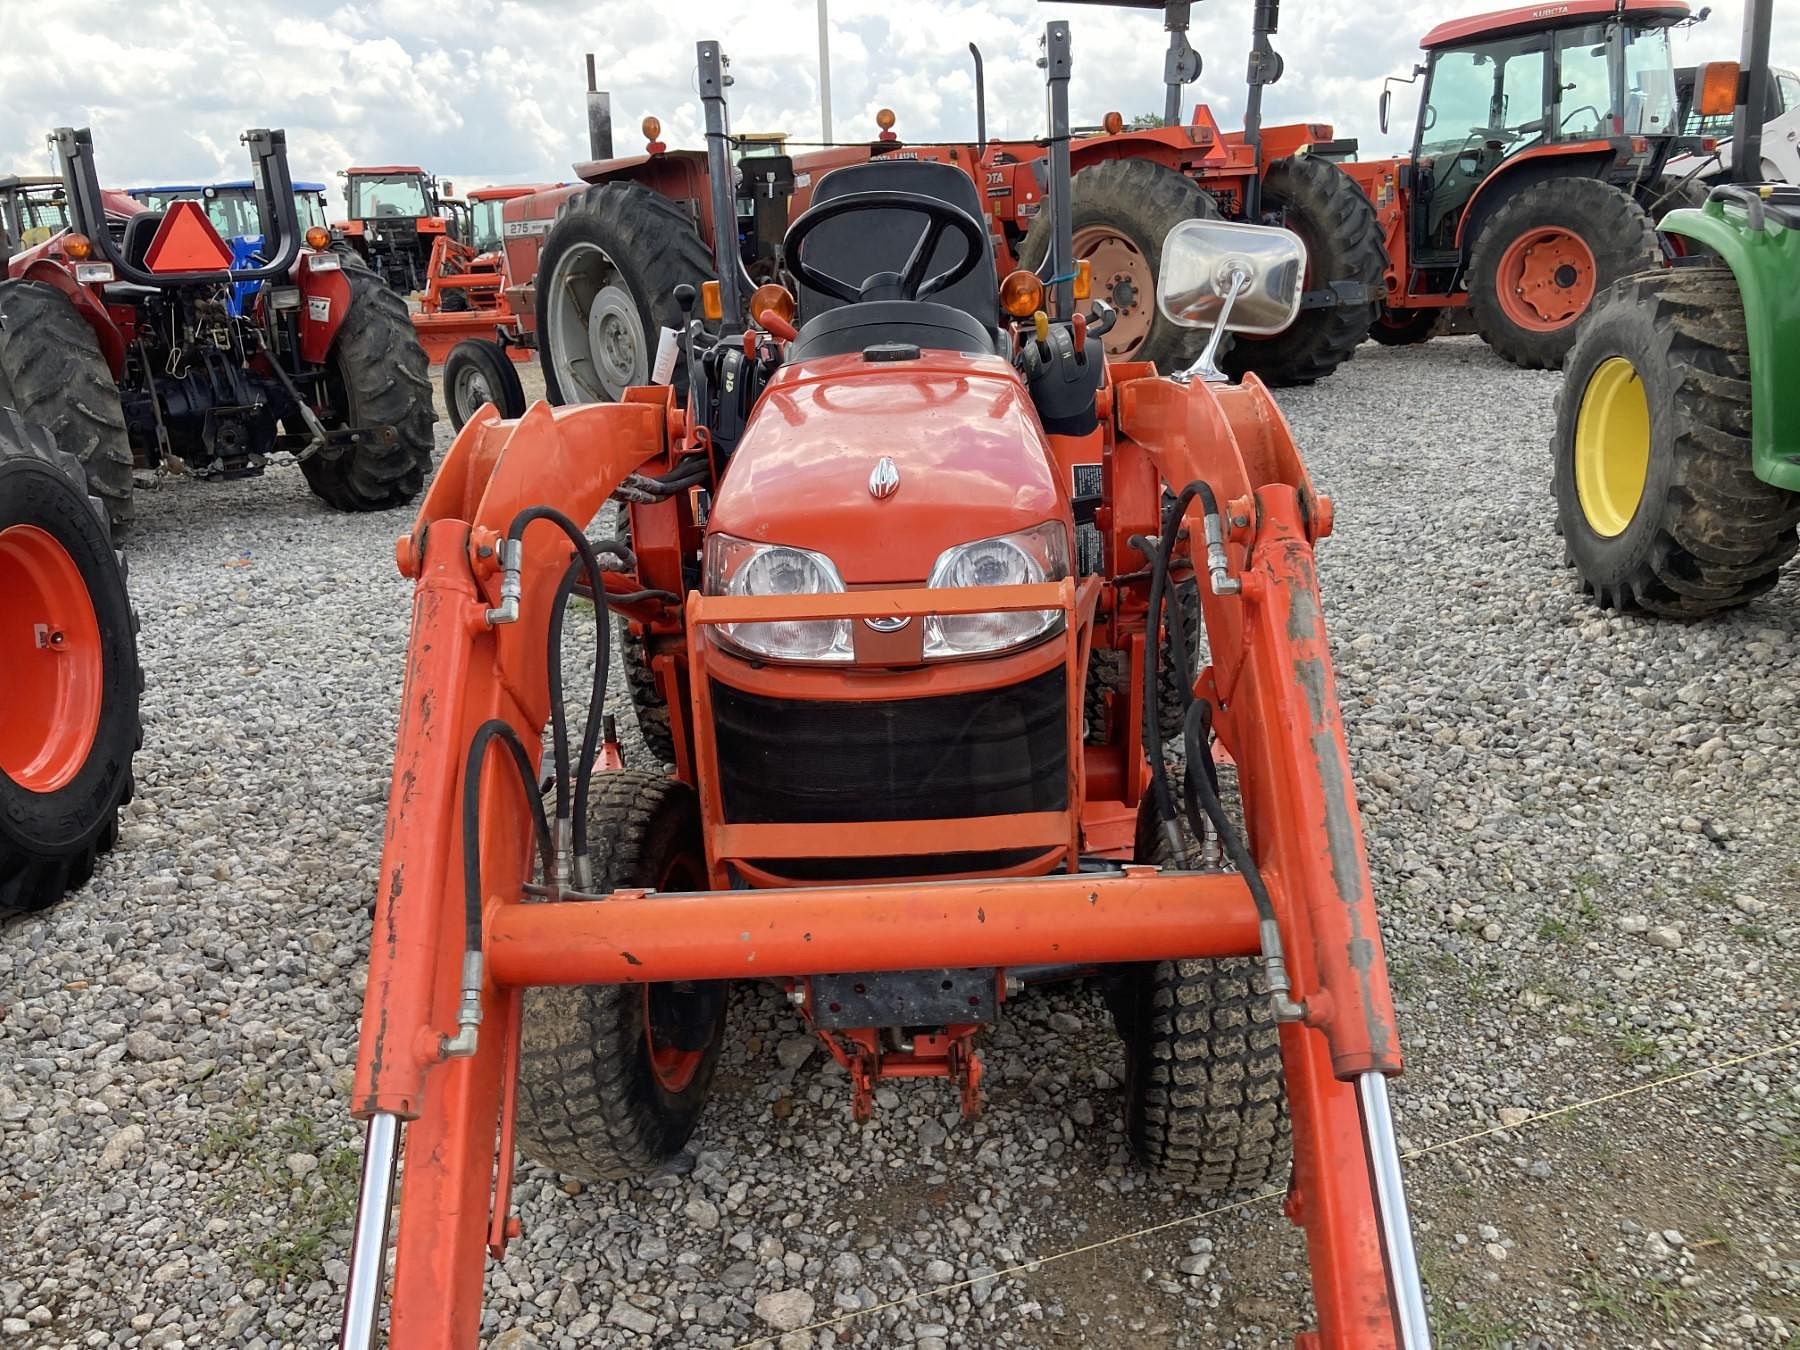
(1677, 451)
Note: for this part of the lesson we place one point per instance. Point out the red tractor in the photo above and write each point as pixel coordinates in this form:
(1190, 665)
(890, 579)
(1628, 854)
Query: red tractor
(1537, 159)
(124, 342)
(856, 543)
(394, 214)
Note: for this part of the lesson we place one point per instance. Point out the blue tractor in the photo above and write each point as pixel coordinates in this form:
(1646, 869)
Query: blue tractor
(231, 207)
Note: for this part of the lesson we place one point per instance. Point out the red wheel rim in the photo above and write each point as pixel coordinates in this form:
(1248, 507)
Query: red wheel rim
(1546, 279)
(672, 1067)
(50, 651)
(1121, 277)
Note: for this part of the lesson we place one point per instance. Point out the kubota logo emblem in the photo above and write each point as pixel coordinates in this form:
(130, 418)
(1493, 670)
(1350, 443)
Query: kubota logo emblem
(884, 478)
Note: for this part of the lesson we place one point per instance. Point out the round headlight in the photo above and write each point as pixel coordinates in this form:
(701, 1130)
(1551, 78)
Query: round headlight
(1034, 555)
(740, 567)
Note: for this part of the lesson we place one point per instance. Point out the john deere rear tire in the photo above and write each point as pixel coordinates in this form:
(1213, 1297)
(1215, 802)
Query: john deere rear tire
(1336, 221)
(52, 371)
(1205, 1099)
(1122, 209)
(1404, 327)
(1543, 257)
(377, 374)
(68, 642)
(612, 1078)
(1655, 496)
(479, 371)
(606, 288)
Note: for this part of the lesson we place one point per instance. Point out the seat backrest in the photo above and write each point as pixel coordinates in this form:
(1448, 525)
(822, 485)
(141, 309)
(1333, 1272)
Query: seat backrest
(865, 242)
(139, 231)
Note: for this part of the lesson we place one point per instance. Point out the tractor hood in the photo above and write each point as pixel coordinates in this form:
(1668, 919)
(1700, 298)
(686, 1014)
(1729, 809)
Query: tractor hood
(970, 458)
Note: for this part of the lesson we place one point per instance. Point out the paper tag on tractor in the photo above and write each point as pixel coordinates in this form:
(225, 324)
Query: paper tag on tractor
(318, 308)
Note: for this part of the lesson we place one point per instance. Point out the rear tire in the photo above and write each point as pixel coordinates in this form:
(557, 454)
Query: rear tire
(1703, 533)
(1336, 221)
(597, 1100)
(479, 371)
(1606, 236)
(1404, 327)
(609, 269)
(1205, 1099)
(1136, 202)
(378, 375)
(52, 371)
(56, 818)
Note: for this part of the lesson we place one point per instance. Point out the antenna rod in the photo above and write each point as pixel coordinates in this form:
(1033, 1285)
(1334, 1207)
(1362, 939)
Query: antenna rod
(1062, 242)
(825, 71)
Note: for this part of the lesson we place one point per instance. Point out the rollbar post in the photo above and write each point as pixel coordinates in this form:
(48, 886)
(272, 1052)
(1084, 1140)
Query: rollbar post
(273, 186)
(1055, 62)
(1265, 69)
(1181, 63)
(1753, 94)
(1396, 1224)
(368, 1245)
(734, 283)
(75, 154)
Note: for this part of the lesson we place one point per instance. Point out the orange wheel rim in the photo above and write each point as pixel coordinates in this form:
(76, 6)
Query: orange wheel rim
(50, 650)
(672, 1067)
(1546, 279)
(1122, 278)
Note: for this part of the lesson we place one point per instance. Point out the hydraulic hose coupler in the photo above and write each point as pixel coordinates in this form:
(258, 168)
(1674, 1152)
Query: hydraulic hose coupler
(512, 562)
(1218, 566)
(1275, 968)
(468, 1011)
(565, 852)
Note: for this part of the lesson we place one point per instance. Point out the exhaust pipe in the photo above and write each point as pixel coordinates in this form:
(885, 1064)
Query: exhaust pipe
(980, 103)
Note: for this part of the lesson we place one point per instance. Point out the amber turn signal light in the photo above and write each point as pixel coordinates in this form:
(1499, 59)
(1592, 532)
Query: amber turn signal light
(77, 245)
(885, 119)
(772, 296)
(318, 238)
(712, 303)
(1021, 294)
(652, 128)
(1084, 279)
(1114, 123)
(1717, 88)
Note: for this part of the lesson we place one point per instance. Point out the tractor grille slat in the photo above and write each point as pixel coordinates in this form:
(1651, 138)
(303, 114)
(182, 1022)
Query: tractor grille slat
(991, 753)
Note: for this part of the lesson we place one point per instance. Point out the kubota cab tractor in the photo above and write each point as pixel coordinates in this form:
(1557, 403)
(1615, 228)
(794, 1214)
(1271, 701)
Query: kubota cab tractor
(392, 219)
(127, 348)
(69, 693)
(1677, 444)
(1542, 134)
(854, 544)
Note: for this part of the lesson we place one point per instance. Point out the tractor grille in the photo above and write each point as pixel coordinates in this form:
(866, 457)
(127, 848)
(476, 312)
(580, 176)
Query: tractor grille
(994, 753)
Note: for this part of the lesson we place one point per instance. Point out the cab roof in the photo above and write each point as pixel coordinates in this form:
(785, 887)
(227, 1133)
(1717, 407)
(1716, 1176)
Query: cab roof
(1535, 18)
(387, 168)
(201, 187)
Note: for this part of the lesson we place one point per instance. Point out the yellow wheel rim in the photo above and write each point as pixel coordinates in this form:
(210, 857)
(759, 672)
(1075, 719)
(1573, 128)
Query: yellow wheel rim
(1612, 446)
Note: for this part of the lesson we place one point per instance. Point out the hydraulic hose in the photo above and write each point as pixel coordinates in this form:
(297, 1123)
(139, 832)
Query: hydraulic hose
(1151, 731)
(495, 729)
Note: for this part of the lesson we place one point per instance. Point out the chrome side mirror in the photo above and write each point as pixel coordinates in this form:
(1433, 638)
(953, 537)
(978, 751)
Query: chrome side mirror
(1232, 278)
(1381, 108)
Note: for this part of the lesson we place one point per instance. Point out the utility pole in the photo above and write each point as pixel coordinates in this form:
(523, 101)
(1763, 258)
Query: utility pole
(825, 71)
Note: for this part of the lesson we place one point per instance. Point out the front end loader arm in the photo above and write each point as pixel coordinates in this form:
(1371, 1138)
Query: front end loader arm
(1275, 708)
(466, 665)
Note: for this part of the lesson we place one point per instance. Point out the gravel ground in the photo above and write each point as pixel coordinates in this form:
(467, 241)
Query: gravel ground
(1583, 830)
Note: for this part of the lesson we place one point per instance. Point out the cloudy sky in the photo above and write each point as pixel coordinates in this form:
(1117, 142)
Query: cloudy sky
(492, 90)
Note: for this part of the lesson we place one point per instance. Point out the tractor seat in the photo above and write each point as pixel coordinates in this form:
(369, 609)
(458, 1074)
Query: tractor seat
(859, 245)
(924, 324)
(139, 231)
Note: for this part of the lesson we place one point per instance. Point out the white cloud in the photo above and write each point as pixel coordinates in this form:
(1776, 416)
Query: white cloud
(493, 90)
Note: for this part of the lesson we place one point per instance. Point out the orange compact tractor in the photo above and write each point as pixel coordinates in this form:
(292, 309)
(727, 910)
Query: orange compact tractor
(874, 555)
(1540, 146)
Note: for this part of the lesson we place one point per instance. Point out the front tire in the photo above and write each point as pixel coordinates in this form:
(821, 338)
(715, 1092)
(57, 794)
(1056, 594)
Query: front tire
(479, 371)
(52, 371)
(1659, 508)
(1336, 221)
(1121, 210)
(1542, 258)
(1404, 327)
(609, 269)
(612, 1078)
(377, 374)
(68, 643)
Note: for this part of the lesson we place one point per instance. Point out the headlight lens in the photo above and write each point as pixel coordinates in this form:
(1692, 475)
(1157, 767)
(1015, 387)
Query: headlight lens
(1038, 554)
(740, 567)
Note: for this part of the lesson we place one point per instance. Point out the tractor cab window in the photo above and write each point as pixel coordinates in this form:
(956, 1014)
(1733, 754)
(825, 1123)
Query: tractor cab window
(488, 233)
(233, 213)
(1583, 104)
(1787, 87)
(1490, 92)
(1650, 102)
(371, 196)
(310, 206)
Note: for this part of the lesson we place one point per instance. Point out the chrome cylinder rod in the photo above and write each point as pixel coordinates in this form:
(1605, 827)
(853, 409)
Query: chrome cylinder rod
(368, 1247)
(1390, 1201)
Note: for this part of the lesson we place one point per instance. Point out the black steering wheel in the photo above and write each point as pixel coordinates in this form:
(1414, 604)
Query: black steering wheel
(910, 283)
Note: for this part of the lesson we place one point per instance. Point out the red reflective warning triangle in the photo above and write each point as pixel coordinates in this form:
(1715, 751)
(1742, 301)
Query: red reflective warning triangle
(187, 242)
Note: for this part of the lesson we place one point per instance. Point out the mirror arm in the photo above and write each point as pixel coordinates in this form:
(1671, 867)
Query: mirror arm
(1205, 367)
